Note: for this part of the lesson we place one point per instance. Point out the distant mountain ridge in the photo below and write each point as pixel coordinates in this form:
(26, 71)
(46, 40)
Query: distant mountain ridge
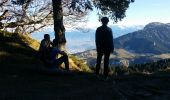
(154, 38)
(150, 44)
(79, 40)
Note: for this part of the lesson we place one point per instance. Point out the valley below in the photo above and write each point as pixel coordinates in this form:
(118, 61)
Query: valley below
(121, 57)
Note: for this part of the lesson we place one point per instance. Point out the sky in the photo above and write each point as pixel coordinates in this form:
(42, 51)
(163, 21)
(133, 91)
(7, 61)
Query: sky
(141, 12)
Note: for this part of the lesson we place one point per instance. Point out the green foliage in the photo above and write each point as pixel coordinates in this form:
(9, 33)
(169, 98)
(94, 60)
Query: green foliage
(151, 67)
(147, 68)
(115, 9)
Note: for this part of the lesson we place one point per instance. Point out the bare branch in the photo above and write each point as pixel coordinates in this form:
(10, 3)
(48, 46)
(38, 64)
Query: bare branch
(3, 2)
(4, 15)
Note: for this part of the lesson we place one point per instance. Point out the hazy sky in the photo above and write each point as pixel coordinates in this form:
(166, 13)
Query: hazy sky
(142, 12)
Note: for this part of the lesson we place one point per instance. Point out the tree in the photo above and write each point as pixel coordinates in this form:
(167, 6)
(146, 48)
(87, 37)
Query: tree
(59, 28)
(115, 9)
(74, 7)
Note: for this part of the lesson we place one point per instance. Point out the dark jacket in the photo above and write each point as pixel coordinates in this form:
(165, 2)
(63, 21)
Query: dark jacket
(104, 39)
(44, 50)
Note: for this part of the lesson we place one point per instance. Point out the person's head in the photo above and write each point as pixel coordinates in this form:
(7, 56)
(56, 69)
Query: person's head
(46, 36)
(55, 44)
(104, 20)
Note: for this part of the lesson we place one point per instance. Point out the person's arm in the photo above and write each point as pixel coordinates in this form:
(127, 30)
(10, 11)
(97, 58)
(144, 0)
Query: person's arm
(49, 44)
(97, 37)
(63, 53)
(60, 52)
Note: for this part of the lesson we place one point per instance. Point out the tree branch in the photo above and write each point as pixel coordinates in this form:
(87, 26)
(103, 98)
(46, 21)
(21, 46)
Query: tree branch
(3, 2)
(3, 16)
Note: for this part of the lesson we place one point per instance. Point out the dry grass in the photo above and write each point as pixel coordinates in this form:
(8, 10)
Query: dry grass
(20, 48)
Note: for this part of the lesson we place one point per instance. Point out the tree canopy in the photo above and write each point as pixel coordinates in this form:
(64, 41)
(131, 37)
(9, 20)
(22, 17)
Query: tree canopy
(115, 9)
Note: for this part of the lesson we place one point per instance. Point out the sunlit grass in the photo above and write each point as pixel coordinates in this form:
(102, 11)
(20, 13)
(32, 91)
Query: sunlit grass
(22, 50)
(81, 64)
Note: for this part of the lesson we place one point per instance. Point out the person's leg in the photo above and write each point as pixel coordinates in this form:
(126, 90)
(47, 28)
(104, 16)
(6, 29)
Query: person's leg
(106, 63)
(65, 60)
(99, 58)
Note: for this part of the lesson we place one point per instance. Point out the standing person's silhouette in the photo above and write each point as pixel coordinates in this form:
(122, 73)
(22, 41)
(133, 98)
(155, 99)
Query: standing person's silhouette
(104, 45)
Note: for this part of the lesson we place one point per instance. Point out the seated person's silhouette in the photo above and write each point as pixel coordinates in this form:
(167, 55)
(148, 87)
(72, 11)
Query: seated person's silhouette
(45, 50)
(54, 56)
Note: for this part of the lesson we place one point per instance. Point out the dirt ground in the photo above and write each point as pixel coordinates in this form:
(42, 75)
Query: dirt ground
(33, 84)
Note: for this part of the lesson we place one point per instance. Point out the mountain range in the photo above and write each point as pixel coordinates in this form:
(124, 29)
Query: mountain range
(153, 38)
(83, 39)
(149, 44)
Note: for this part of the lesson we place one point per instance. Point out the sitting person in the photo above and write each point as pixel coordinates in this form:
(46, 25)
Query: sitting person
(54, 56)
(45, 49)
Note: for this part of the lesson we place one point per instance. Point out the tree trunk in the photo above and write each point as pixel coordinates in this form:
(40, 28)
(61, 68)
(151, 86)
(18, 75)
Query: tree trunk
(59, 28)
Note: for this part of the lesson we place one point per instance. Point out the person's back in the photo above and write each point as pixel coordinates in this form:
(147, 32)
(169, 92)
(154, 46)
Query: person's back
(44, 50)
(104, 38)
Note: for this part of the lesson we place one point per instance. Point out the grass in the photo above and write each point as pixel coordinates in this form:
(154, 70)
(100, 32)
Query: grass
(21, 49)
(80, 63)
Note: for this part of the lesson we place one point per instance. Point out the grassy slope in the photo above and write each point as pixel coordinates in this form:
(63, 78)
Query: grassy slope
(22, 80)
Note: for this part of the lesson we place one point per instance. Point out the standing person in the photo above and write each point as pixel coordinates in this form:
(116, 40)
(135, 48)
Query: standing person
(44, 50)
(104, 45)
(54, 56)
